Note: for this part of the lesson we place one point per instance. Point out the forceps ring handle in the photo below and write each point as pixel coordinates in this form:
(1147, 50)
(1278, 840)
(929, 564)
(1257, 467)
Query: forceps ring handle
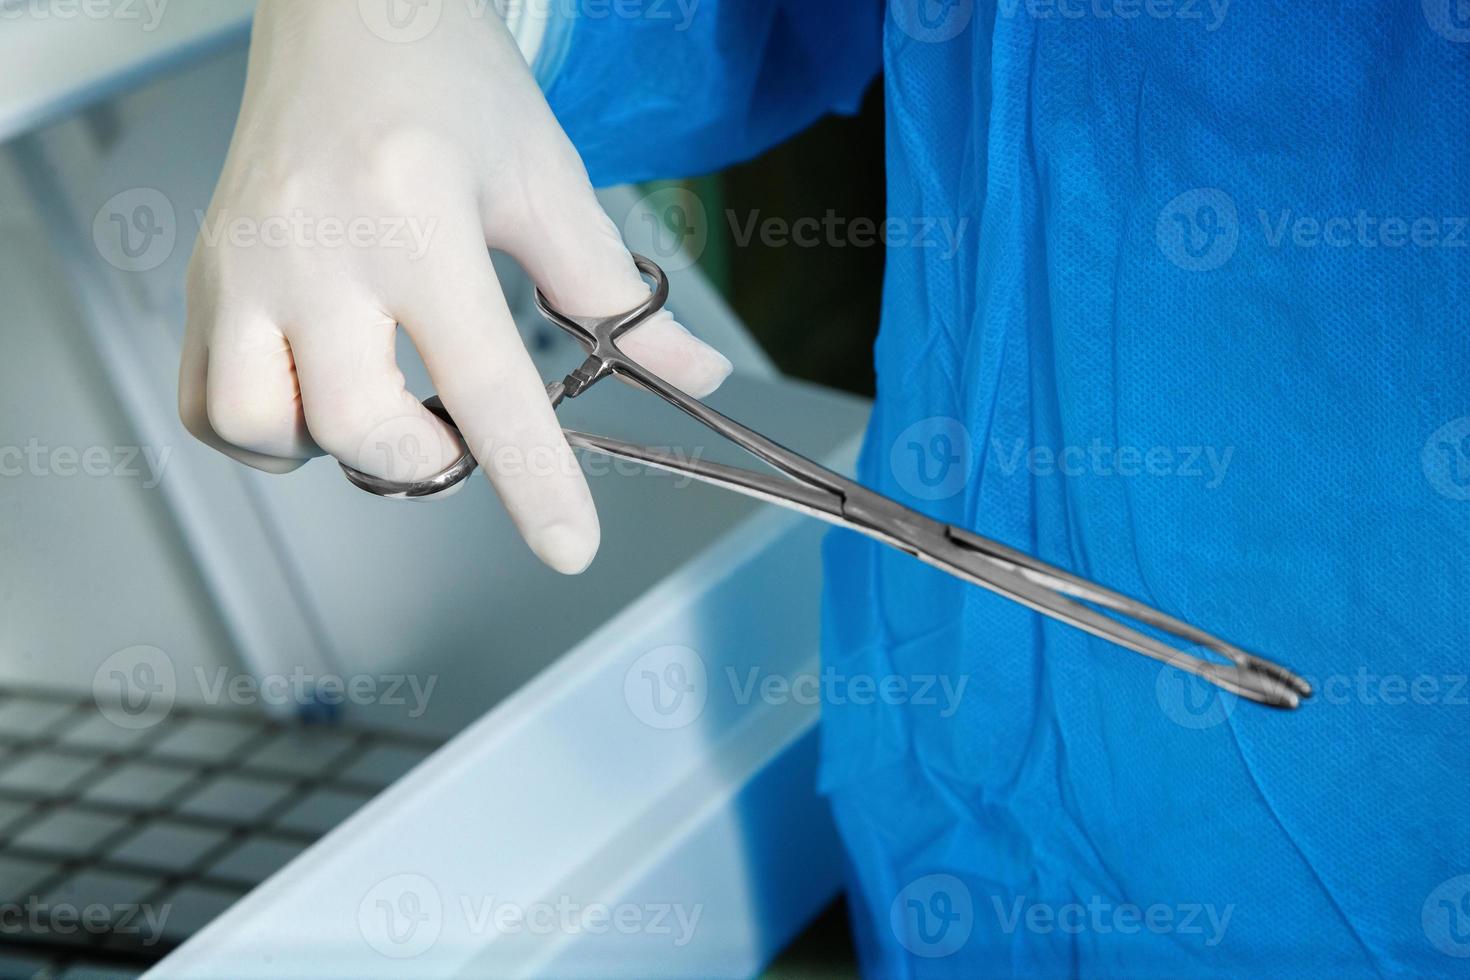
(598, 334)
(457, 472)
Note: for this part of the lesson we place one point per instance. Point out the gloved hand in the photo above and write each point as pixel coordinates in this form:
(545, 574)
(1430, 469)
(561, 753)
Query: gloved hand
(365, 180)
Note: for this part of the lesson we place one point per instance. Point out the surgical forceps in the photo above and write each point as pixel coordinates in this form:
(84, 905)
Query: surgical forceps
(812, 489)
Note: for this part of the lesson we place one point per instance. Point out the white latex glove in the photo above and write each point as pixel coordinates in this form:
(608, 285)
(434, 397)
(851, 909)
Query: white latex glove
(289, 349)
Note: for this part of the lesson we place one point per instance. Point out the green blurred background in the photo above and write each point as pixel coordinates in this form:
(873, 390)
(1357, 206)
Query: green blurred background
(813, 308)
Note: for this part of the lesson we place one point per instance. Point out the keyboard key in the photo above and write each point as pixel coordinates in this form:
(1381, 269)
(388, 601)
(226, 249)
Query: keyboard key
(45, 774)
(19, 878)
(26, 719)
(69, 833)
(323, 810)
(383, 765)
(102, 887)
(11, 813)
(239, 799)
(193, 907)
(139, 785)
(168, 847)
(96, 733)
(301, 753)
(256, 860)
(15, 966)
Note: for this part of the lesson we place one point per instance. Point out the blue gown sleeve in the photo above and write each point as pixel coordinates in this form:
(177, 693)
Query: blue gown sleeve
(673, 88)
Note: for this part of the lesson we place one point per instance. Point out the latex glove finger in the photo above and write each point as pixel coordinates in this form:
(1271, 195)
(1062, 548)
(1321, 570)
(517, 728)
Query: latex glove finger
(573, 251)
(356, 405)
(194, 412)
(461, 325)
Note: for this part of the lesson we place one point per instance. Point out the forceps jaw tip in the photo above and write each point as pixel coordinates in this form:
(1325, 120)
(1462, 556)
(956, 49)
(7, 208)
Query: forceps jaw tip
(1282, 675)
(1078, 602)
(1254, 685)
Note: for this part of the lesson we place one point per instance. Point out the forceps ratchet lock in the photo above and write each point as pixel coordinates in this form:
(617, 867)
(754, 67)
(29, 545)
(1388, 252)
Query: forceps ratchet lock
(805, 486)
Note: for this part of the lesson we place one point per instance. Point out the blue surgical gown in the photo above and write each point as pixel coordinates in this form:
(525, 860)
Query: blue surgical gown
(1189, 317)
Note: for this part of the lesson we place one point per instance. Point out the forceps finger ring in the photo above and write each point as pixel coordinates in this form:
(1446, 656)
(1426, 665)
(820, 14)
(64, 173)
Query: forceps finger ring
(599, 335)
(446, 479)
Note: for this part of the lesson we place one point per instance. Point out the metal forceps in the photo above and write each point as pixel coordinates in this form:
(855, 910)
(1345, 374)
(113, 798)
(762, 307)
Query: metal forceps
(803, 485)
